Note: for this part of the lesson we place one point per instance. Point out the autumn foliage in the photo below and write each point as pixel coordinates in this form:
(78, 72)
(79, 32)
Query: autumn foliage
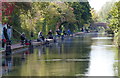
(7, 10)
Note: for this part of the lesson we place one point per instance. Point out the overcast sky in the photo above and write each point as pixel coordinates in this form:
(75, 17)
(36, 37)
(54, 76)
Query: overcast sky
(97, 4)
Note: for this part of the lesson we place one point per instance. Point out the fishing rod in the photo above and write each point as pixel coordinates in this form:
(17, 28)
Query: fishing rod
(17, 31)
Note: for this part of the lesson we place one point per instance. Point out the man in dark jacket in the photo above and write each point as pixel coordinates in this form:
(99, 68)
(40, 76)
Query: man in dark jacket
(22, 38)
(50, 35)
(4, 37)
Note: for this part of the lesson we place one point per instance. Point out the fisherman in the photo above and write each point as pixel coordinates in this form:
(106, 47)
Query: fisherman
(64, 32)
(9, 31)
(6, 39)
(50, 34)
(40, 37)
(22, 38)
(69, 32)
(4, 35)
(58, 33)
(62, 36)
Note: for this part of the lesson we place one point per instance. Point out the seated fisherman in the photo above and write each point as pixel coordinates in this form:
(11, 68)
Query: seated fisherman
(40, 36)
(50, 34)
(23, 38)
(58, 33)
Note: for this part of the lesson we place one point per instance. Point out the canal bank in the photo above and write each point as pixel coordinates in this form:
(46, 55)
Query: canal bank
(34, 43)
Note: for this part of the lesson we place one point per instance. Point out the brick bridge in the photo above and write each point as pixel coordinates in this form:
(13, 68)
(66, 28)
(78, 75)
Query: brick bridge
(96, 25)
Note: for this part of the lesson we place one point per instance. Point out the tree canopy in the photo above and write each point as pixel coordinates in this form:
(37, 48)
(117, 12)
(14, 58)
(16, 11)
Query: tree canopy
(43, 16)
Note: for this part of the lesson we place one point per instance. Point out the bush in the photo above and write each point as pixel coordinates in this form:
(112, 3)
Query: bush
(109, 31)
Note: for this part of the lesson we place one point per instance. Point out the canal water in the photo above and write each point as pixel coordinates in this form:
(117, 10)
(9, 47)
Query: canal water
(90, 54)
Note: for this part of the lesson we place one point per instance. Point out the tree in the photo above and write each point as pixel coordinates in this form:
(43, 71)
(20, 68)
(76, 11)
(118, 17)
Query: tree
(114, 15)
(103, 13)
(114, 21)
(95, 16)
(42, 16)
(82, 13)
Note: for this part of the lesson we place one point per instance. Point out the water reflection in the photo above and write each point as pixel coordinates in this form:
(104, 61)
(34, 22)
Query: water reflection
(102, 57)
(74, 56)
(7, 64)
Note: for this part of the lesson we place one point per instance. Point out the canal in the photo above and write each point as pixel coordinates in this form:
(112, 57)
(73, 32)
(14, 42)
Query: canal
(91, 54)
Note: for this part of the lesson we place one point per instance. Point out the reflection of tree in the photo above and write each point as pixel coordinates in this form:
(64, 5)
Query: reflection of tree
(73, 48)
(79, 50)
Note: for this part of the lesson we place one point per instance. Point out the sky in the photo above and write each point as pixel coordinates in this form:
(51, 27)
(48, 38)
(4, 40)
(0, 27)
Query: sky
(97, 4)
